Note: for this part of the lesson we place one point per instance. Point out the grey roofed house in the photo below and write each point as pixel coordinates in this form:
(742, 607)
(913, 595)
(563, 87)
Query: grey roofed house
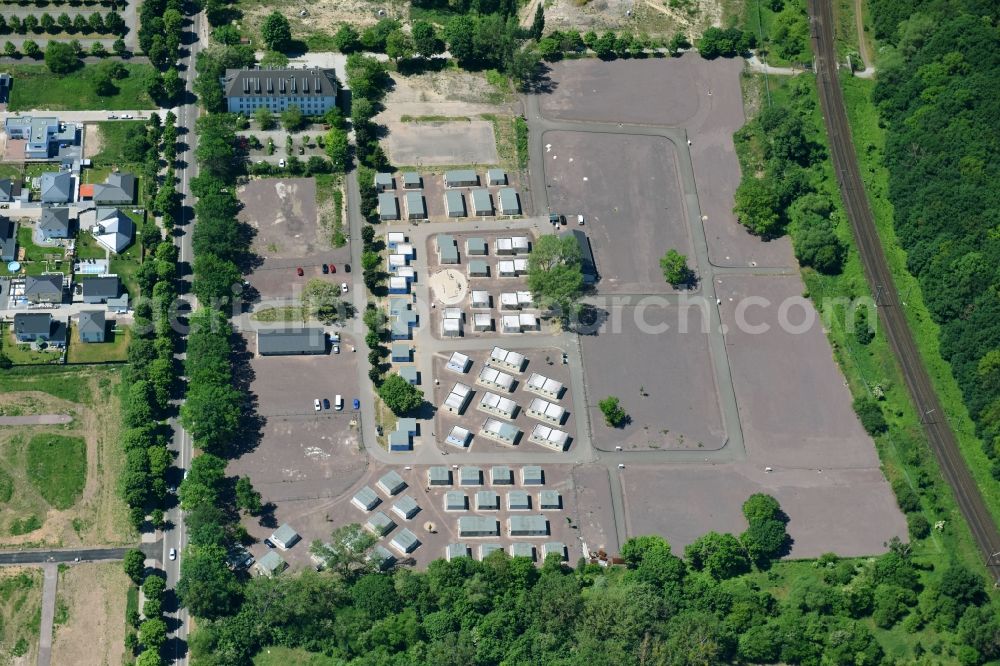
(56, 187)
(100, 289)
(117, 188)
(44, 288)
(496, 177)
(522, 550)
(384, 181)
(8, 239)
(476, 246)
(401, 352)
(366, 499)
(487, 549)
(456, 500)
(554, 547)
(312, 89)
(110, 227)
(501, 475)
(406, 507)
(587, 264)
(518, 500)
(487, 500)
(461, 178)
(31, 326)
(285, 537)
(415, 209)
(479, 268)
(91, 326)
(470, 476)
(412, 180)
(454, 203)
(478, 526)
(400, 441)
(482, 203)
(405, 541)
(532, 475)
(447, 249)
(54, 223)
(458, 437)
(379, 524)
(6, 189)
(290, 341)
(388, 206)
(381, 557)
(528, 526)
(408, 425)
(391, 483)
(453, 550)
(438, 476)
(549, 499)
(509, 203)
(270, 564)
(410, 374)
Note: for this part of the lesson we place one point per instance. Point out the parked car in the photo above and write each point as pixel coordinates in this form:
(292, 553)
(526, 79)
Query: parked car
(553, 219)
(347, 268)
(336, 349)
(343, 287)
(579, 220)
(299, 271)
(127, 116)
(281, 163)
(357, 404)
(172, 554)
(316, 405)
(268, 543)
(326, 403)
(325, 269)
(333, 269)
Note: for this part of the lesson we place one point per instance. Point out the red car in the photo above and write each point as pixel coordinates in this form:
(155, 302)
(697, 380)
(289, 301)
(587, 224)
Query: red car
(333, 269)
(299, 271)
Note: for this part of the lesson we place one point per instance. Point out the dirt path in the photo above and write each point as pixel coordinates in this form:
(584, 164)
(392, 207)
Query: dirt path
(862, 41)
(38, 419)
(48, 613)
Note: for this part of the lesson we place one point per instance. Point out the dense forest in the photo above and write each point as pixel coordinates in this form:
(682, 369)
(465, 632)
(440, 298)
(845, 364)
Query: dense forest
(937, 95)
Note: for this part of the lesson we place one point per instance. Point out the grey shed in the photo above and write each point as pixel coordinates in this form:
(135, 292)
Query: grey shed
(380, 524)
(391, 483)
(518, 500)
(550, 499)
(470, 476)
(487, 500)
(528, 526)
(482, 204)
(509, 203)
(412, 180)
(476, 246)
(456, 500)
(454, 203)
(496, 177)
(388, 206)
(532, 475)
(415, 209)
(406, 507)
(439, 476)
(522, 550)
(501, 475)
(384, 181)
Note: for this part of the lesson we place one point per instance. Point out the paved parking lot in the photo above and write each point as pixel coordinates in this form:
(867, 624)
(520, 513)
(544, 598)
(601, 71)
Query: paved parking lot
(663, 379)
(627, 188)
(545, 362)
(441, 143)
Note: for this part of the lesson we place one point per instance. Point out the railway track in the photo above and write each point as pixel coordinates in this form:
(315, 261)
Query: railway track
(939, 433)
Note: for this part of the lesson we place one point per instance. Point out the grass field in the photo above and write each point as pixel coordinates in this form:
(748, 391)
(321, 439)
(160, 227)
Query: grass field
(20, 613)
(57, 468)
(115, 347)
(23, 354)
(281, 656)
(91, 598)
(37, 88)
(63, 478)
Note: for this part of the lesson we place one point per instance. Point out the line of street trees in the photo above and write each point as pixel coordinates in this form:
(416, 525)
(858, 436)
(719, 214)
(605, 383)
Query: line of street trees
(102, 24)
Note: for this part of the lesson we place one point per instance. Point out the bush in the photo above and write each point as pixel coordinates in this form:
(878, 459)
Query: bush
(917, 526)
(614, 415)
(870, 415)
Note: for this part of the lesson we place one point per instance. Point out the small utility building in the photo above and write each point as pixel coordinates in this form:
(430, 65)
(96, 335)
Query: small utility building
(285, 537)
(388, 206)
(482, 203)
(454, 203)
(478, 526)
(461, 178)
(528, 526)
(415, 208)
(290, 342)
(509, 203)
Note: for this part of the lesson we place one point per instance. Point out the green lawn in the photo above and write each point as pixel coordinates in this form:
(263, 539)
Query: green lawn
(23, 354)
(57, 468)
(20, 613)
(36, 87)
(113, 137)
(37, 259)
(70, 384)
(10, 171)
(115, 347)
(281, 656)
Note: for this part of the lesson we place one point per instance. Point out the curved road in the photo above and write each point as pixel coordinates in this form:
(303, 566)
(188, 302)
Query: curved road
(939, 434)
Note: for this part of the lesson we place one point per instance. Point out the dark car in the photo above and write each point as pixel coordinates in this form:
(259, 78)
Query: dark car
(325, 269)
(347, 268)
(357, 404)
(268, 543)
(299, 271)
(326, 403)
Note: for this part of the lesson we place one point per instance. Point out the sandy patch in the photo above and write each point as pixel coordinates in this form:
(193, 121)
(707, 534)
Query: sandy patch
(94, 632)
(652, 17)
(93, 141)
(451, 93)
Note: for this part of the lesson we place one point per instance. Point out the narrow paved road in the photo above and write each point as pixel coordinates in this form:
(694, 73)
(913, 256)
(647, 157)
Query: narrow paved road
(939, 434)
(73, 555)
(51, 572)
(36, 419)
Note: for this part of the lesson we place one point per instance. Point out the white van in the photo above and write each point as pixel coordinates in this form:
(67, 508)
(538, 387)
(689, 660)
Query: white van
(338, 403)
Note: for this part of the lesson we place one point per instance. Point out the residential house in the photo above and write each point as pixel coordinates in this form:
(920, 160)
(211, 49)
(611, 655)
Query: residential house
(91, 326)
(53, 224)
(101, 289)
(117, 188)
(312, 89)
(110, 227)
(56, 187)
(46, 288)
(39, 327)
(8, 239)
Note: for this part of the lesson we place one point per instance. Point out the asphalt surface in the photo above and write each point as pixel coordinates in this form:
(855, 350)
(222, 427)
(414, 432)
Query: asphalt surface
(939, 433)
(71, 555)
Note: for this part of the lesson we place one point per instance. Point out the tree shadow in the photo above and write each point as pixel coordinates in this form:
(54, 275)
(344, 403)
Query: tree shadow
(589, 320)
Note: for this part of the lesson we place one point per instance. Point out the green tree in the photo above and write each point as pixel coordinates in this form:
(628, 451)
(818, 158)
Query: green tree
(119, 48)
(47, 23)
(604, 47)
(817, 245)
(398, 46)
(247, 499)
(757, 206)
(30, 23)
(346, 553)
(870, 414)
(213, 414)
(678, 43)
(63, 20)
(172, 85)
(538, 23)
(675, 269)
(207, 587)
(60, 57)
(264, 118)
(31, 49)
(555, 277)
(292, 119)
(765, 540)
(153, 633)
(135, 566)
(215, 279)
(864, 332)
(9, 49)
(153, 587)
(399, 395)
(346, 39)
(760, 506)
(337, 148)
(426, 42)
(276, 32)
(720, 555)
(149, 657)
(614, 415)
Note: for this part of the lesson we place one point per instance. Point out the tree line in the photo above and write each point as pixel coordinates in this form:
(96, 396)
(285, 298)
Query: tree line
(102, 24)
(936, 94)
